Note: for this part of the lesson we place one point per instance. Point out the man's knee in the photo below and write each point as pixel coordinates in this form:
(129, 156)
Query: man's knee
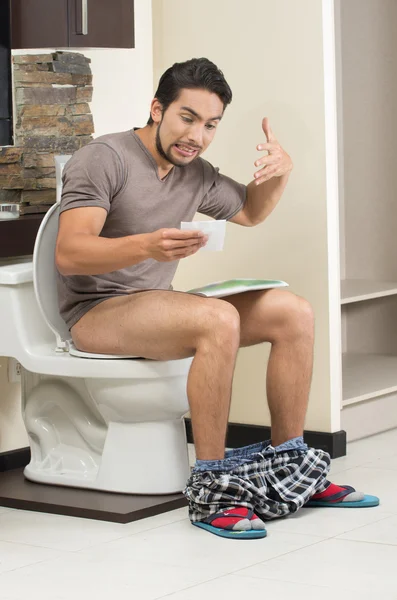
(295, 317)
(299, 316)
(222, 320)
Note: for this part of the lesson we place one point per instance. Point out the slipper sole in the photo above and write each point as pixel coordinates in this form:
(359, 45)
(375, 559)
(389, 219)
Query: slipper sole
(253, 534)
(366, 502)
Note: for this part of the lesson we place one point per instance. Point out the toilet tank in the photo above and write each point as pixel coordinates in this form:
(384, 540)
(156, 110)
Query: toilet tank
(21, 323)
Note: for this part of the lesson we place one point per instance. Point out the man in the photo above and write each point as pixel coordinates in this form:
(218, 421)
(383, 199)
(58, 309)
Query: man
(119, 243)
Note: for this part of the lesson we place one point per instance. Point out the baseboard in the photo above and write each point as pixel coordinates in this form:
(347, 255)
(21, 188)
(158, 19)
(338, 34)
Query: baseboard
(14, 459)
(240, 434)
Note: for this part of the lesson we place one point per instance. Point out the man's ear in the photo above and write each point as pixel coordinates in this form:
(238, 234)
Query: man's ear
(156, 110)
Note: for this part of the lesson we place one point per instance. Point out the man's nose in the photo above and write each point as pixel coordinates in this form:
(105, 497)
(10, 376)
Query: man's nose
(196, 135)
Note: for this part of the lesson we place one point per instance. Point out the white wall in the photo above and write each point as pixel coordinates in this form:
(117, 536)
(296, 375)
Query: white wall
(272, 56)
(12, 430)
(123, 88)
(123, 79)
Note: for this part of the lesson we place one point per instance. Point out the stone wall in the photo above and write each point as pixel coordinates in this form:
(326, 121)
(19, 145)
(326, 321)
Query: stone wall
(52, 116)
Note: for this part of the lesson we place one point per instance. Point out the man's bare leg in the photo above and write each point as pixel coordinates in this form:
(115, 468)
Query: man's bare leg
(164, 325)
(286, 321)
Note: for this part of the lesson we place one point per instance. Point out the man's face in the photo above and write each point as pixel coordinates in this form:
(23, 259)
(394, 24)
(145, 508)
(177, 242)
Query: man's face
(188, 126)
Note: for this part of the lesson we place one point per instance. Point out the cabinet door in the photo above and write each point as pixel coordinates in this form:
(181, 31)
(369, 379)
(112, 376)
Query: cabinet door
(101, 23)
(39, 23)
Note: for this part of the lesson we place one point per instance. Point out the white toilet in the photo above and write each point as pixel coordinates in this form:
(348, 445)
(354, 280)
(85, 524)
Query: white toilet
(94, 421)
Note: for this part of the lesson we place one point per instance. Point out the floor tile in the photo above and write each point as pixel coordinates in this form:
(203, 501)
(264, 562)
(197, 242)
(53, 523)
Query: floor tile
(57, 532)
(386, 462)
(183, 545)
(34, 522)
(14, 556)
(157, 521)
(348, 565)
(383, 532)
(234, 587)
(327, 522)
(52, 557)
(366, 450)
(79, 576)
(378, 482)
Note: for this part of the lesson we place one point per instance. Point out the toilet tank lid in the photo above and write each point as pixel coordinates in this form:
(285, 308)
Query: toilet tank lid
(16, 273)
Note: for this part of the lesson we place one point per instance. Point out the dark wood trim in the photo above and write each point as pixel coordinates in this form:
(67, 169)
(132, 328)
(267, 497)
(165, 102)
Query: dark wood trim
(17, 236)
(240, 434)
(14, 459)
(17, 492)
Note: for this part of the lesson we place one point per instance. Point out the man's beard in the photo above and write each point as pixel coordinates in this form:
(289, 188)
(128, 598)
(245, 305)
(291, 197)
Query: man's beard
(163, 153)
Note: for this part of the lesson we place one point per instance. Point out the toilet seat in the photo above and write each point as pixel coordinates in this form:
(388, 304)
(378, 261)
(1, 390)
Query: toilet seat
(44, 281)
(73, 351)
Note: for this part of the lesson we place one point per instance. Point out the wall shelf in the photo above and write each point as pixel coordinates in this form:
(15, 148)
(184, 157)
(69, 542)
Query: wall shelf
(357, 290)
(367, 376)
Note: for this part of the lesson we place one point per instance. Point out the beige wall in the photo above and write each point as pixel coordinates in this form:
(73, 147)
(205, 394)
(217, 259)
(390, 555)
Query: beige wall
(272, 56)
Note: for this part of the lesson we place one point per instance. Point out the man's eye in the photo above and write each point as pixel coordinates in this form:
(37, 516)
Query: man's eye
(187, 120)
(209, 126)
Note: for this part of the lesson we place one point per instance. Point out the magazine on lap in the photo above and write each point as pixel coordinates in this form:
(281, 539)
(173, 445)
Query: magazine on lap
(228, 287)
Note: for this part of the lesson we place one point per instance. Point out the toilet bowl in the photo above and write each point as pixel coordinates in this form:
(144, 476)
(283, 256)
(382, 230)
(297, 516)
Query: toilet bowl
(94, 421)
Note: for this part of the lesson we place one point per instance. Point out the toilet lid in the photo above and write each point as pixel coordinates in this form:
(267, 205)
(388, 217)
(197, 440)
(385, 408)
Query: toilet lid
(45, 285)
(45, 275)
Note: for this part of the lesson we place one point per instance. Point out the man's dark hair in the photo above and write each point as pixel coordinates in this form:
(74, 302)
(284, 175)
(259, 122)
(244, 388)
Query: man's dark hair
(198, 73)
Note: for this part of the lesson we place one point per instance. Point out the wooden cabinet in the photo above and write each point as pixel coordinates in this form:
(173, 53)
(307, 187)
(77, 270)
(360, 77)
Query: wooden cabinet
(72, 23)
(39, 23)
(17, 236)
(101, 23)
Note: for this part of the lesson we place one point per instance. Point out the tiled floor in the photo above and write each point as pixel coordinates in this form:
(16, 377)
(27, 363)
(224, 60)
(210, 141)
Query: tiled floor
(318, 554)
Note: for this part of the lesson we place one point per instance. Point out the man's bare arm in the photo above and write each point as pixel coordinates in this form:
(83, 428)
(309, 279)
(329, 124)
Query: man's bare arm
(80, 250)
(265, 191)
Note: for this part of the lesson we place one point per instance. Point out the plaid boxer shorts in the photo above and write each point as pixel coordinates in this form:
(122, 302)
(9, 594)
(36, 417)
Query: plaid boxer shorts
(271, 483)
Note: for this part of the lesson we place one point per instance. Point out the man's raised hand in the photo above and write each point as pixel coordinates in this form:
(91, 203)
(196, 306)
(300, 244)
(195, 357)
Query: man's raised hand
(274, 164)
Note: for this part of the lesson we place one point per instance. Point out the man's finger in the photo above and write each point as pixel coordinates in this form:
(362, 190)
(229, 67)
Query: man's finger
(266, 160)
(269, 146)
(265, 177)
(175, 244)
(185, 234)
(261, 173)
(267, 130)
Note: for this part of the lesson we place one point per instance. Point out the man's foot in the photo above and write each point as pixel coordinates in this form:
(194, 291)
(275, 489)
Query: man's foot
(344, 496)
(235, 522)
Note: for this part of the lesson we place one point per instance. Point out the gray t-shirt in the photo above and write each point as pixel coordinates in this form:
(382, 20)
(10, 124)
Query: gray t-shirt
(118, 173)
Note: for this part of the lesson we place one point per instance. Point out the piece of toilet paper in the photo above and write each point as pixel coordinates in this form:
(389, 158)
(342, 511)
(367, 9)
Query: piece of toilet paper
(214, 229)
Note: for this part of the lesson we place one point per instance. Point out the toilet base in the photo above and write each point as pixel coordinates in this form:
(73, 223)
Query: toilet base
(138, 458)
